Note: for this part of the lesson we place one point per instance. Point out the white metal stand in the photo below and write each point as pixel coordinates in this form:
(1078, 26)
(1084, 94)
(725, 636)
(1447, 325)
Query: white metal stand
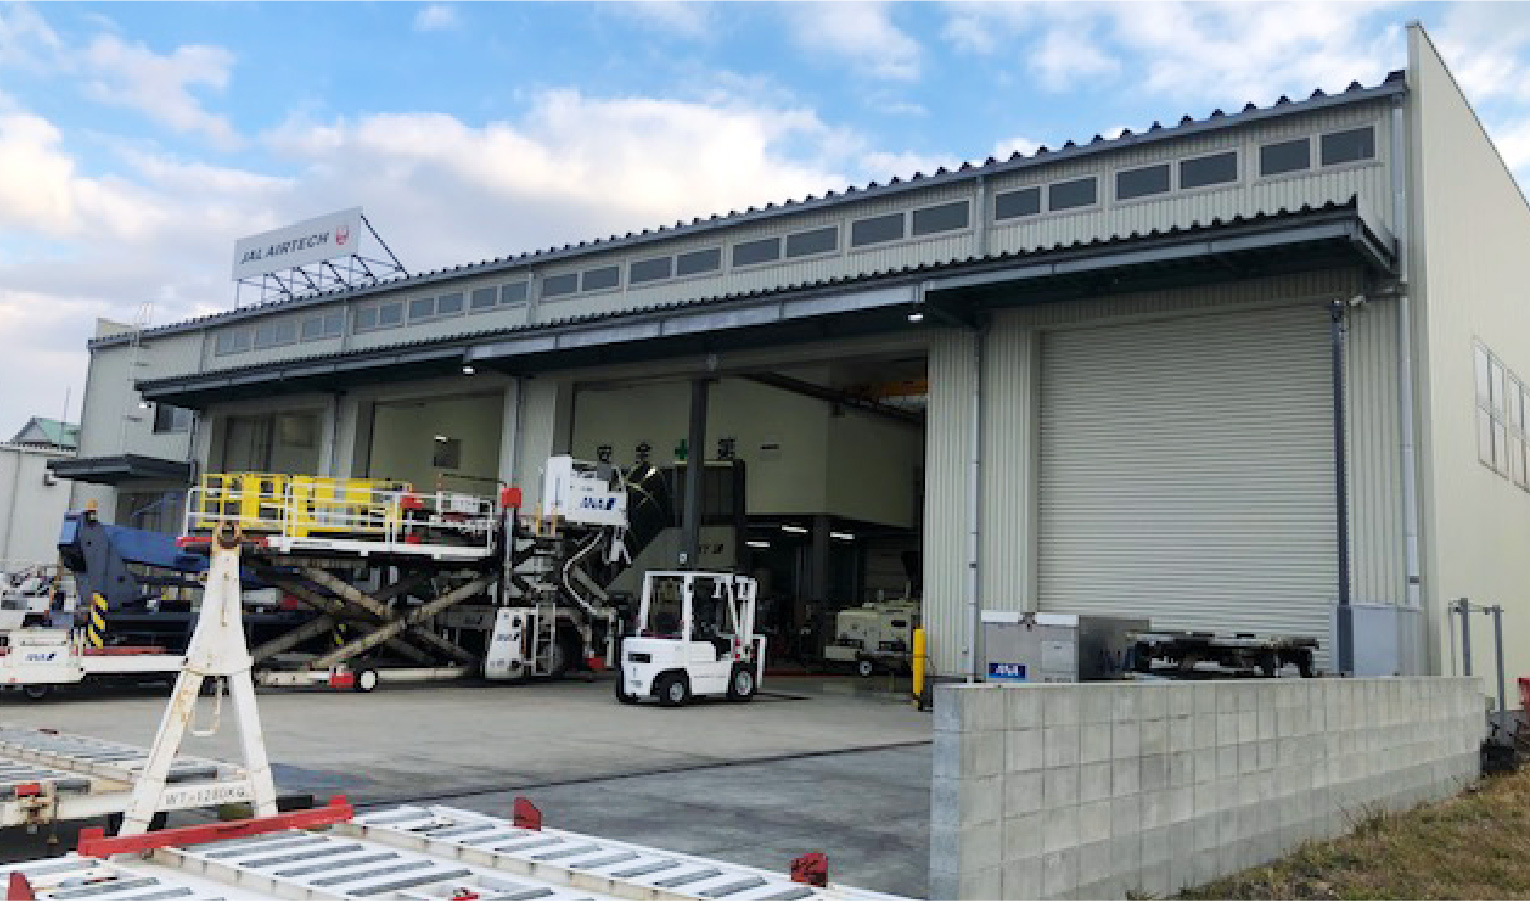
(217, 650)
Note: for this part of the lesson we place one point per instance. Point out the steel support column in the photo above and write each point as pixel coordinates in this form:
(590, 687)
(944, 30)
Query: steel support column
(695, 463)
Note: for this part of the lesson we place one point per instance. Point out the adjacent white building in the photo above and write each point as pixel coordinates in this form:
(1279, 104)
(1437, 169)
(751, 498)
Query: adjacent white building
(32, 499)
(1228, 373)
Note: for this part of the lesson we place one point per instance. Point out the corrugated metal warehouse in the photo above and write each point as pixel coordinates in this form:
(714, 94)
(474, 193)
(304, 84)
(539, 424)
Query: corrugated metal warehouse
(1099, 378)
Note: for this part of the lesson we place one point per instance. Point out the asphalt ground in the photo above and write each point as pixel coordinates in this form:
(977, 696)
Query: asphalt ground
(837, 765)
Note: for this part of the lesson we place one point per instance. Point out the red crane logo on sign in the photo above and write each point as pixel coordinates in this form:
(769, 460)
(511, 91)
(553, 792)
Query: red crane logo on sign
(342, 235)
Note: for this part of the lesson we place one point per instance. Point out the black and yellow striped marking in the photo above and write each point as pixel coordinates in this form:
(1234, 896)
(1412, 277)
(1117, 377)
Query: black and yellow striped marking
(338, 636)
(95, 629)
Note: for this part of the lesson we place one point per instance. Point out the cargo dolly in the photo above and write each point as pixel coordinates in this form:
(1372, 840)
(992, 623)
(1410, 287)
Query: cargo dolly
(1193, 654)
(48, 777)
(407, 854)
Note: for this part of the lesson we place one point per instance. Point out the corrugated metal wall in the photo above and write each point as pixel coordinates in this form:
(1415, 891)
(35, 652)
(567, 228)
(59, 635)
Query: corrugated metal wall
(1375, 454)
(1187, 472)
(948, 454)
(1008, 499)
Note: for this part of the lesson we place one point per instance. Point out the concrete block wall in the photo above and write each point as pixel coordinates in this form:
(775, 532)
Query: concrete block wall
(1093, 790)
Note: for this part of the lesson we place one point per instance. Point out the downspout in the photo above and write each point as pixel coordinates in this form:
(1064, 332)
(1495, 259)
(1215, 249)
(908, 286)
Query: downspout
(974, 511)
(1414, 581)
(1345, 637)
(974, 468)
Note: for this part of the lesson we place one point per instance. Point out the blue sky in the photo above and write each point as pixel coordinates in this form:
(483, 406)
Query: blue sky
(138, 141)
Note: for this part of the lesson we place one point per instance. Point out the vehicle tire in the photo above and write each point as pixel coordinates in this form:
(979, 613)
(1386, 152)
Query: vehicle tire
(366, 681)
(36, 692)
(621, 690)
(673, 690)
(741, 685)
(865, 667)
(565, 654)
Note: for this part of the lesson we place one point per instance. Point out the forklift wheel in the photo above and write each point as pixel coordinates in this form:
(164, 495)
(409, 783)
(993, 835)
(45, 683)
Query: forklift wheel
(622, 695)
(673, 690)
(866, 667)
(36, 692)
(741, 685)
(366, 681)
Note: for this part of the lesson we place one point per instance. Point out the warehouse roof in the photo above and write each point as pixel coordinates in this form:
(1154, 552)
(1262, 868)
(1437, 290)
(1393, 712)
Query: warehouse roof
(1187, 126)
(1289, 240)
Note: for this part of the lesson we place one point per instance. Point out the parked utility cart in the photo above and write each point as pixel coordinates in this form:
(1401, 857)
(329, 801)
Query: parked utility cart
(1189, 654)
(695, 638)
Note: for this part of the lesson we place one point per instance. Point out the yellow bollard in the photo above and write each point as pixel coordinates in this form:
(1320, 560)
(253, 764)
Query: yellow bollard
(918, 668)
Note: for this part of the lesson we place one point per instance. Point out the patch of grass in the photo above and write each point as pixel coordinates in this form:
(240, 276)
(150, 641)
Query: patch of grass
(1476, 845)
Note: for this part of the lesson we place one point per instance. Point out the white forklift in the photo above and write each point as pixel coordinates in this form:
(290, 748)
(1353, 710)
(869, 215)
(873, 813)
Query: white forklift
(694, 638)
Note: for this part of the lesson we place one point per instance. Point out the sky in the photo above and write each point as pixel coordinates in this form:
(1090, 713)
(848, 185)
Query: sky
(139, 141)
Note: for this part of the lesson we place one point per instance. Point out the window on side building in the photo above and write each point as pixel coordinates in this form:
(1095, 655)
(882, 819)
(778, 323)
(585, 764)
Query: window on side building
(170, 418)
(235, 341)
(1286, 156)
(483, 299)
(275, 334)
(1070, 195)
(818, 240)
(876, 230)
(653, 270)
(560, 285)
(1348, 146)
(515, 292)
(600, 279)
(1015, 204)
(1514, 416)
(1143, 182)
(422, 308)
(1216, 169)
(1491, 432)
(698, 261)
(449, 304)
(945, 217)
(747, 253)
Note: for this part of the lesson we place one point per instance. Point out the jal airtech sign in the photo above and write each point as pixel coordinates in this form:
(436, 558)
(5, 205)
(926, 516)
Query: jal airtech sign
(312, 241)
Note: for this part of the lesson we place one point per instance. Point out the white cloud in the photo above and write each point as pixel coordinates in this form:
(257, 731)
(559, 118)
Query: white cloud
(574, 167)
(436, 17)
(678, 18)
(1066, 56)
(26, 40)
(1192, 51)
(860, 33)
(133, 76)
(1486, 45)
(1023, 146)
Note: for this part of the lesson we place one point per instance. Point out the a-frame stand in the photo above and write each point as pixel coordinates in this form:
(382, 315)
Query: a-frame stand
(217, 651)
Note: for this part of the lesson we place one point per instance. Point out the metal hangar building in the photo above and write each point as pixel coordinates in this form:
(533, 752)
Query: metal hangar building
(1228, 373)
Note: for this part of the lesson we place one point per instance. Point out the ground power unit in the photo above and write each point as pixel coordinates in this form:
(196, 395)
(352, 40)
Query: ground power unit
(1056, 647)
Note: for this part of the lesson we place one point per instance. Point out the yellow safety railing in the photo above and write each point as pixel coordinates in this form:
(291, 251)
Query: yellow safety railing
(296, 506)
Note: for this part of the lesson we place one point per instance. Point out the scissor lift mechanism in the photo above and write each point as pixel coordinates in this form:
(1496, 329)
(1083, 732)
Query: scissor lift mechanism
(307, 527)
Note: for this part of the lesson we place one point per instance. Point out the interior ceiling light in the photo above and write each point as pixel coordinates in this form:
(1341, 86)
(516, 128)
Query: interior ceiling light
(798, 530)
(842, 536)
(467, 369)
(442, 438)
(916, 316)
(758, 544)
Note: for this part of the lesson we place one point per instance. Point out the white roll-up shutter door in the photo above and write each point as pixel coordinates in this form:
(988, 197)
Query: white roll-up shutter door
(1187, 472)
